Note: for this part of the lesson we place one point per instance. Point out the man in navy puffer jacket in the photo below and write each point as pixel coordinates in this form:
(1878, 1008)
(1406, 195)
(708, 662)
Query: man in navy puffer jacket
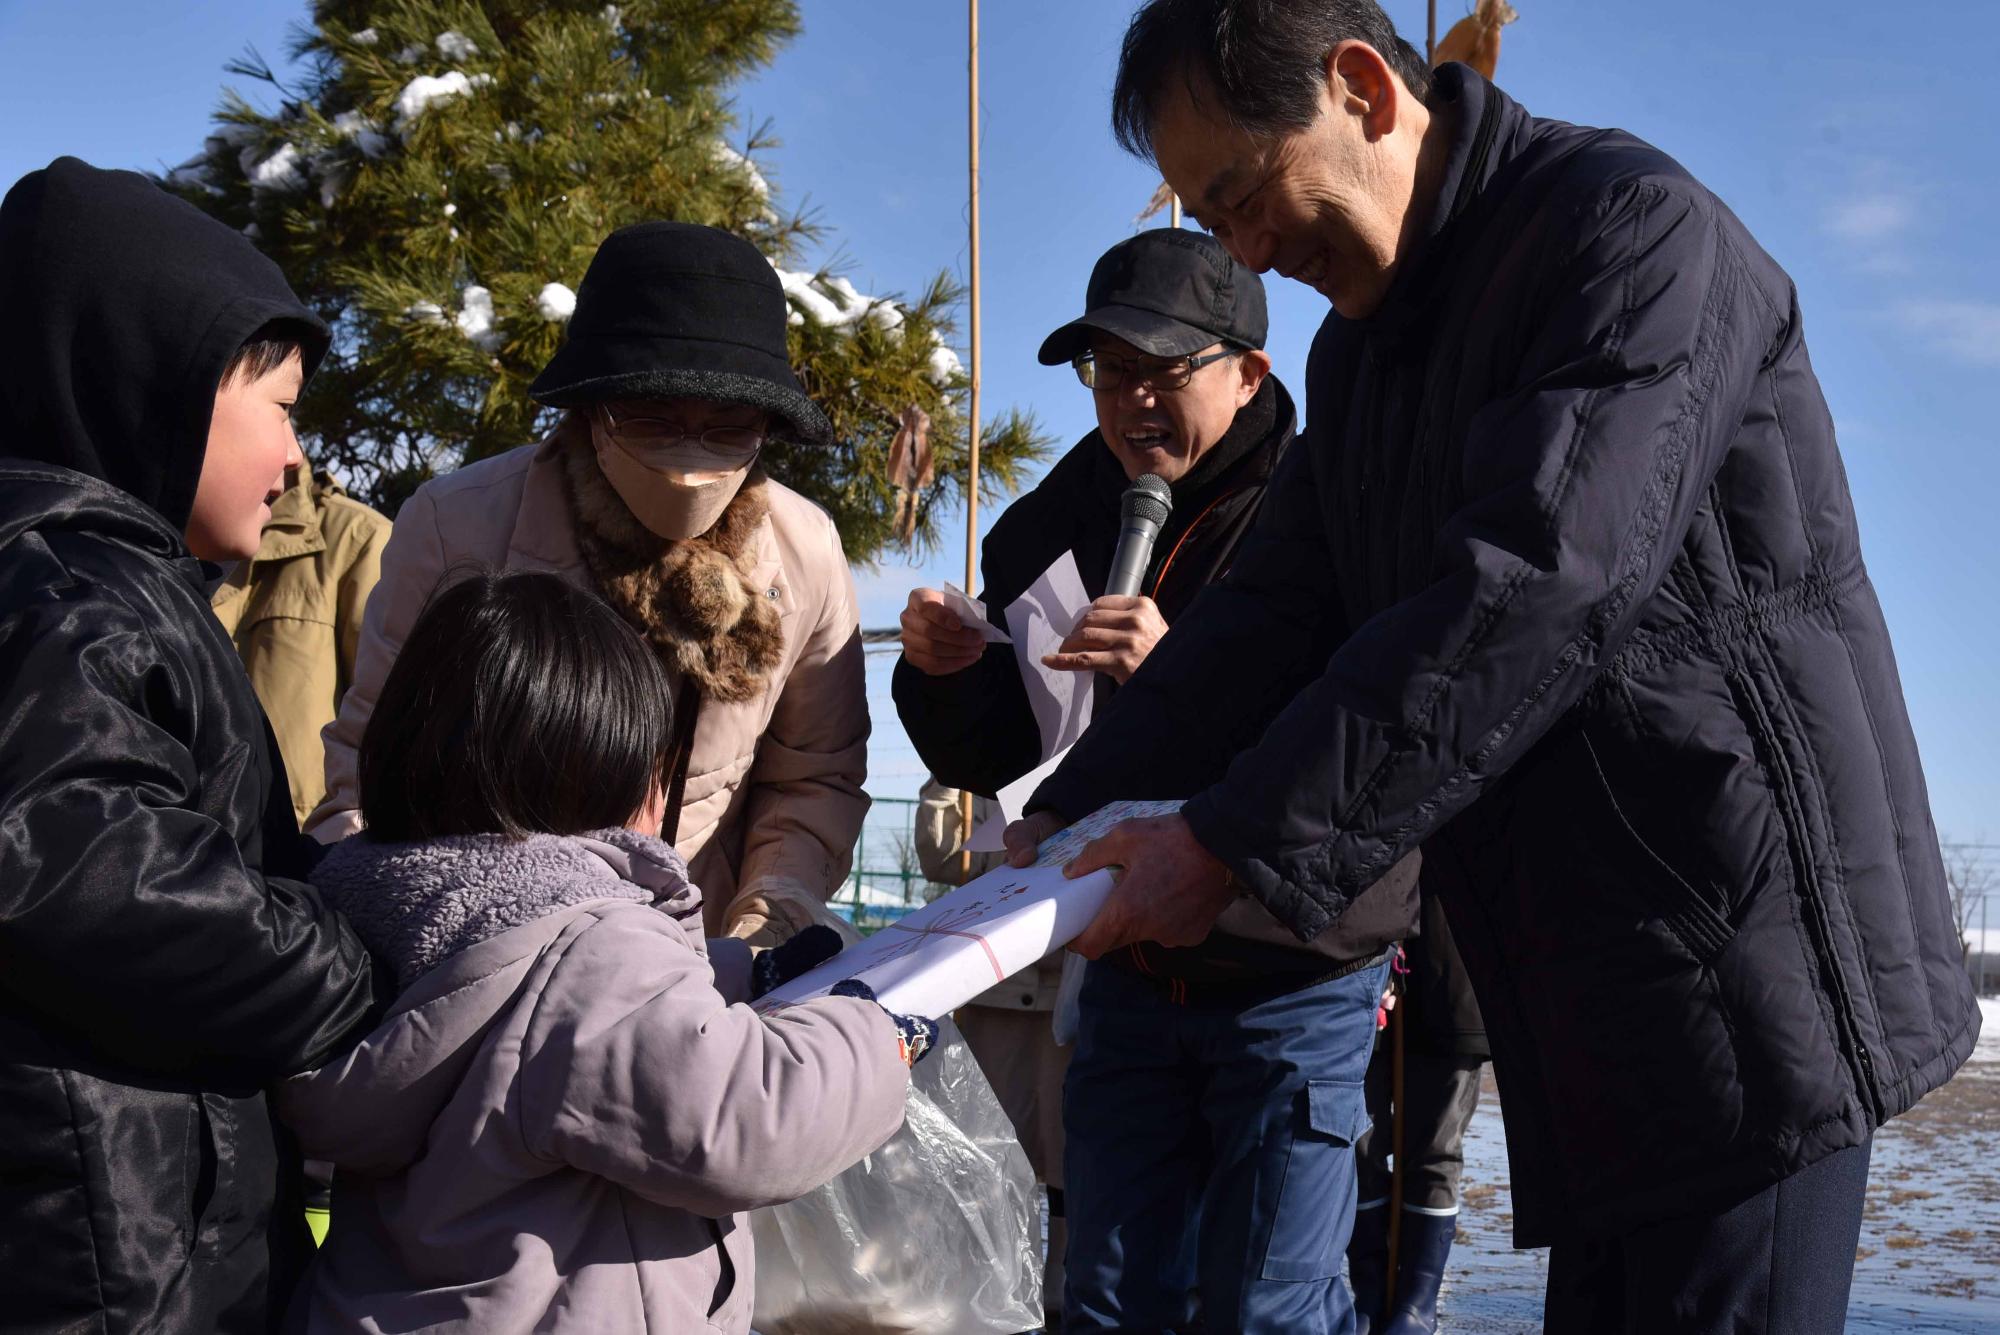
(1570, 492)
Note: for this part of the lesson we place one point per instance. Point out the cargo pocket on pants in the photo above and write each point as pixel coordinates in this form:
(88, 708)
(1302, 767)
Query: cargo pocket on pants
(1319, 1173)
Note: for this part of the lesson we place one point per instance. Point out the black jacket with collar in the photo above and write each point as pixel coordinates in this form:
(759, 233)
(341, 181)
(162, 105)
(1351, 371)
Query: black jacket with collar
(975, 728)
(1572, 506)
(160, 959)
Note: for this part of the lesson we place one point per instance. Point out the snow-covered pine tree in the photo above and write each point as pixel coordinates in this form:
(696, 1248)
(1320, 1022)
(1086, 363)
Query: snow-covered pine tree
(435, 182)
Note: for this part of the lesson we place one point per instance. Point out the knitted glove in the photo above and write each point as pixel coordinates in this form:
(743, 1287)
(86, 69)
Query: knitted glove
(781, 963)
(918, 1035)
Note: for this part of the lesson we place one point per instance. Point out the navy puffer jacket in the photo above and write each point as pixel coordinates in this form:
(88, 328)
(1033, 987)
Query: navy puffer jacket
(1612, 658)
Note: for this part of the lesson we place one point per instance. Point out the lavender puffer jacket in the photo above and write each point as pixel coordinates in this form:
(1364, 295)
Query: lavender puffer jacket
(560, 1122)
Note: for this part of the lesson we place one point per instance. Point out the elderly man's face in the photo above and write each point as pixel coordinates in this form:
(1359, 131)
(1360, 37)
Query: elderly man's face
(1325, 205)
(1154, 429)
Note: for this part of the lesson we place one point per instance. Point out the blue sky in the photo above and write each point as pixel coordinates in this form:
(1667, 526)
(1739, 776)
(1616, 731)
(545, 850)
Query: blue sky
(1856, 141)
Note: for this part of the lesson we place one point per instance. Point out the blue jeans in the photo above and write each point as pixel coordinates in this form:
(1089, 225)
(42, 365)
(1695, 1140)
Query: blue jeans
(1210, 1153)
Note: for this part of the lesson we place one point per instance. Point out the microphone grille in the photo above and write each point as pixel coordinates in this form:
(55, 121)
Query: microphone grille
(1149, 497)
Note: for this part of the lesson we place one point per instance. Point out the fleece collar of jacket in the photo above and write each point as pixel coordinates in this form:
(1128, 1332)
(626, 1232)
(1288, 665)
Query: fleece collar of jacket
(417, 904)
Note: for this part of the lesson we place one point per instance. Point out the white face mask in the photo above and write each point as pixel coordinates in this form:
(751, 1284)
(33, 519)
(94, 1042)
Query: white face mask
(673, 503)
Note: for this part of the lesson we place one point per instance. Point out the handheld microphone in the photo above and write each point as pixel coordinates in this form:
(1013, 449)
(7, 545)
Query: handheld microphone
(1142, 513)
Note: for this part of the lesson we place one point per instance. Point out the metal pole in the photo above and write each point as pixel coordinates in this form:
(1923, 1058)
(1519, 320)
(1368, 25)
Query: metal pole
(1431, 35)
(1984, 940)
(972, 436)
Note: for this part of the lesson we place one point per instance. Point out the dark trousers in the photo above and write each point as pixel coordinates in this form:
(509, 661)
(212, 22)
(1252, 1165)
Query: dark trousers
(1440, 1094)
(1780, 1262)
(1210, 1151)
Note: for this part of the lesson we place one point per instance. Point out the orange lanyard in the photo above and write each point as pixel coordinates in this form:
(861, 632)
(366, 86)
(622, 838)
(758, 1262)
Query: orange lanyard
(1160, 580)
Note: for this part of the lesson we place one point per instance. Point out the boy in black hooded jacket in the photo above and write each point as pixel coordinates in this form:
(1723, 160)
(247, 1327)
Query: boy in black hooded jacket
(157, 964)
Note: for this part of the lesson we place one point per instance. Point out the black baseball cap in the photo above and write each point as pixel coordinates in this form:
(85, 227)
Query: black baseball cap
(1168, 292)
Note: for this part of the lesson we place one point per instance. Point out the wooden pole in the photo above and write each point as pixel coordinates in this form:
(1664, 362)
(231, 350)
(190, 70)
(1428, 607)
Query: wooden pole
(1431, 35)
(1174, 211)
(972, 435)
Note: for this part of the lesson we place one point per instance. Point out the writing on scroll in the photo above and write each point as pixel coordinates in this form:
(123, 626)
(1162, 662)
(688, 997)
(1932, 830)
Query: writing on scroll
(955, 923)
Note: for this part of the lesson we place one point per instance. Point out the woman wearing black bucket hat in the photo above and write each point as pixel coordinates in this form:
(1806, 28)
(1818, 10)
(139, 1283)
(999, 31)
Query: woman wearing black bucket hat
(649, 491)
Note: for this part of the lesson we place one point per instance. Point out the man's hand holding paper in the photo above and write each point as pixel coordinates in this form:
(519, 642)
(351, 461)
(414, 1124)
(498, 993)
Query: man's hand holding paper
(1113, 636)
(942, 634)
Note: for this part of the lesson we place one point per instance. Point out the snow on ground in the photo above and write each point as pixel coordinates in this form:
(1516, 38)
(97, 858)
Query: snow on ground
(1929, 1259)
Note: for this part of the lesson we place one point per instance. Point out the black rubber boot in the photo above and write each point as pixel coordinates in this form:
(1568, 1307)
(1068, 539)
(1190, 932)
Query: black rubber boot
(1368, 1266)
(1422, 1250)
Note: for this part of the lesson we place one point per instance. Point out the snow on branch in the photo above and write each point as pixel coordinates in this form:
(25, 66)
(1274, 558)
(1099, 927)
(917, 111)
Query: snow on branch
(556, 303)
(475, 320)
(429, 90)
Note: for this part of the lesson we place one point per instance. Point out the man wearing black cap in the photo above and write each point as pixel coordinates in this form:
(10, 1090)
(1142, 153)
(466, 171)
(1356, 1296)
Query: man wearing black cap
(1214, 1089)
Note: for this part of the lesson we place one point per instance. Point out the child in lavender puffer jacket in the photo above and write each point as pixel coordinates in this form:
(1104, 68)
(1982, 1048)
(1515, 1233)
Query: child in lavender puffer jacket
(561, 1119)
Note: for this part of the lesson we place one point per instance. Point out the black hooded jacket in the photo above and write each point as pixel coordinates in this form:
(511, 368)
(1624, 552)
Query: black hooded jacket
(157, 967)
(1609, 653)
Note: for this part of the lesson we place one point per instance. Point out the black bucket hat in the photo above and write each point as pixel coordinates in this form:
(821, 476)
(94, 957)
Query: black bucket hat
(678, 310)
(1168, 292)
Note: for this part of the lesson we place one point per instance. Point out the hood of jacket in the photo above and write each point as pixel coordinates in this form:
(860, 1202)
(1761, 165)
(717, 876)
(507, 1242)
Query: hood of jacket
(123, 306)
(461, 921)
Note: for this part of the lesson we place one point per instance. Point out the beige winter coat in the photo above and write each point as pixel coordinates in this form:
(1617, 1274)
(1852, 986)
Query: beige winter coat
(294, 611)
(774, 797)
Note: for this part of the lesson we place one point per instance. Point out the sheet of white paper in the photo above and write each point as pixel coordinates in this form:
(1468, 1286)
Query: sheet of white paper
(973, 613)
(1008, 806)
(1040, 620)
(948, 952)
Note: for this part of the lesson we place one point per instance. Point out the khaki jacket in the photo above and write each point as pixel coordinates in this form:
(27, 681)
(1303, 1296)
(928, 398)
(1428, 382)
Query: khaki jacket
(294, 611)
(774, 798)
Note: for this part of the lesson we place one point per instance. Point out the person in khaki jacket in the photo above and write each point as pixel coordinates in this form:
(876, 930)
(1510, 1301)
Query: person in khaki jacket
(649, 492)
(294, 612)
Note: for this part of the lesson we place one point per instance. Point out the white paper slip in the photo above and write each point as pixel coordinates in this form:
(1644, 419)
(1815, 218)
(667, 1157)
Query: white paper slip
(972, 613)
(948, 952)
(1007, 806)
(1040, 620)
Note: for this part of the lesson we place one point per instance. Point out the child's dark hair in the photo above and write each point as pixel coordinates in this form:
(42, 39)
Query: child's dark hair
(520, 704)
(264, 352)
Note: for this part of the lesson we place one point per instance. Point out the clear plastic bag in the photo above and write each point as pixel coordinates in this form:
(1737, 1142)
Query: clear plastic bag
(939, 1231)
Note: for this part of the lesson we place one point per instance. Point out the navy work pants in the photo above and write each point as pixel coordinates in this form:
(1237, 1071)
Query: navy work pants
(1210, 1155)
